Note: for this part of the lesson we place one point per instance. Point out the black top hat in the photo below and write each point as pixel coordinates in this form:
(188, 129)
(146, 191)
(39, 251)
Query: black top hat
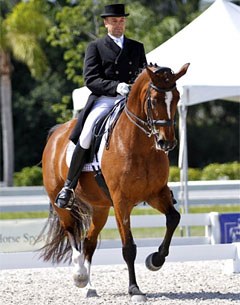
(114, 10)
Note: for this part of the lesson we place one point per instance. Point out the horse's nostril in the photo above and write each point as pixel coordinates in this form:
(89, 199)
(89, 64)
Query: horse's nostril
(161, 143)
(167, 145)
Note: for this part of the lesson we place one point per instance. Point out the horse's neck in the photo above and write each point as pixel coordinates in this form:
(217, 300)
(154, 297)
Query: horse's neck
(128, 128)
(136, 99)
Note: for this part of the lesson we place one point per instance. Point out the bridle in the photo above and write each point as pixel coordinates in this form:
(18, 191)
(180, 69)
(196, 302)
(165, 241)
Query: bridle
(149, 126)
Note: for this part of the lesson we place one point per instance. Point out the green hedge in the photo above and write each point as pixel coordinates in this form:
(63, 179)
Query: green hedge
(230, 171)
(30, 176)
(215, 171)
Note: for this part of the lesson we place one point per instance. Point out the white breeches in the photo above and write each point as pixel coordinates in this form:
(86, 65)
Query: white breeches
(101, 107)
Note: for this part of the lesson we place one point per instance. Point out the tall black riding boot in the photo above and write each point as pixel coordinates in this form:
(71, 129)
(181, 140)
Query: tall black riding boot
(65, 197)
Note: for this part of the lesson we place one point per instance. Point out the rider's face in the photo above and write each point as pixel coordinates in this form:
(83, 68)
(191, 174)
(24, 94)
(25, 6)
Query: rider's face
(115, 25)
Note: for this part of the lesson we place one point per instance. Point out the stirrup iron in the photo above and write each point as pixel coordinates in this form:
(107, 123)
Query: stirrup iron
(62, 196)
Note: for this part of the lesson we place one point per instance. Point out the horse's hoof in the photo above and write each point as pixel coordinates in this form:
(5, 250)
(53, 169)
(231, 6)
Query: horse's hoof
(149, 263)
(136, 294)
(80, 280)
(91, 293)
(88, 292)
(138, 298)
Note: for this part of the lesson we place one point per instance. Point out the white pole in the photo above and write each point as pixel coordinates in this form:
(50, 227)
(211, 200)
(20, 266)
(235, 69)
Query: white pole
(183, 159)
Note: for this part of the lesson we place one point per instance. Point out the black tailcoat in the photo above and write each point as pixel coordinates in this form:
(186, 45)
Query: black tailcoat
(105, 66)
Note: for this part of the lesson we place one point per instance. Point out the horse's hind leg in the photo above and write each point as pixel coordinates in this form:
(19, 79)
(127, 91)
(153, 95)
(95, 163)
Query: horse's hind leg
(82, 258)
(99, 218)
(81, 269)
(155, 260)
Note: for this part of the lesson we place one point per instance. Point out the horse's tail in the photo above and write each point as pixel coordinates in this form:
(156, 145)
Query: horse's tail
(57, 247)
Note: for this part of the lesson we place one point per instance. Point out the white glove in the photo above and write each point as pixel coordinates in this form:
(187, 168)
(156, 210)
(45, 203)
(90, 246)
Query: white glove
(123, 89)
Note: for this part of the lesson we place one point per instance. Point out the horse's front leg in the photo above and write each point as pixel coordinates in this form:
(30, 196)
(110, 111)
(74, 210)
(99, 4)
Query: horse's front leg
(129, 251)
(155, 260)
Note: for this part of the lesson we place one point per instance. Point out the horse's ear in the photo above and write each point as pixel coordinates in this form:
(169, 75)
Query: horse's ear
(182, 71)
(150, 73)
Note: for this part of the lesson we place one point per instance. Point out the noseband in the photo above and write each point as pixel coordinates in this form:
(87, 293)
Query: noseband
(149, 126)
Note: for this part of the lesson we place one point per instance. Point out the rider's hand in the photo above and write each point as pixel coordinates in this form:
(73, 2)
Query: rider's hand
(123, 89)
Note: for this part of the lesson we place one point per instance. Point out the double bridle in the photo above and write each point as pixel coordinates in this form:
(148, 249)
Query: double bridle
(149, 127)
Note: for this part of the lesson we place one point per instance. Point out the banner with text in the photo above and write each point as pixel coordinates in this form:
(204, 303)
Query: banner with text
(21, 235)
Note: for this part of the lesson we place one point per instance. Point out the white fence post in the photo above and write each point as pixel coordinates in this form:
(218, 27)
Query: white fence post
(214, 230)
(233, 265)
(236, 261)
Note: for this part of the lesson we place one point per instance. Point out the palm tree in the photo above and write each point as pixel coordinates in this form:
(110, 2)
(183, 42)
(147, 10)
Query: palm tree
(21, 33)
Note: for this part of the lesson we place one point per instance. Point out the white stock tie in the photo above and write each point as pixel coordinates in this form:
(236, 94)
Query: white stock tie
(118, 42)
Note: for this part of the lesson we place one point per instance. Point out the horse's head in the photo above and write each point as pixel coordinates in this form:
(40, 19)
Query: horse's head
(162, 96)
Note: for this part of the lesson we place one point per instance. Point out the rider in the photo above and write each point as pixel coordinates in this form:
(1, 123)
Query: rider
(111, 64)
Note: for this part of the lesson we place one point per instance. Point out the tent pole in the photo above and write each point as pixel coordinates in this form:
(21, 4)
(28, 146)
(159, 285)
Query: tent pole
(183, 160)
(185, 164)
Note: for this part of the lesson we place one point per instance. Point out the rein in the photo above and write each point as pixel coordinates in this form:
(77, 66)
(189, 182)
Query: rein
(149, 126)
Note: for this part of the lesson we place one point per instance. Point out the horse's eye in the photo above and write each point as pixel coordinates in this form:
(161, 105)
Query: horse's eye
(154, 102)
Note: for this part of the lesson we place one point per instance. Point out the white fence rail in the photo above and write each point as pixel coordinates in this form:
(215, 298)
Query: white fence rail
(22, 234)
(200, 193)
(229, 252)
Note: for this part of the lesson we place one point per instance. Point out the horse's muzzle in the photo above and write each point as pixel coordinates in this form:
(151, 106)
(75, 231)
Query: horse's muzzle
(166, 145)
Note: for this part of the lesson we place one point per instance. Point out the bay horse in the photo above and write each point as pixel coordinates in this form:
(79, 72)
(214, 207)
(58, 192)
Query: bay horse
(135, 167)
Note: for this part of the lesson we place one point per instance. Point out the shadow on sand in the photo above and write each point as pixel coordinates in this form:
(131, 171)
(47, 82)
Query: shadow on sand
(196, 295)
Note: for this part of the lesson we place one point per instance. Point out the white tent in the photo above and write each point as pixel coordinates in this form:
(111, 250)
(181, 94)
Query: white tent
(211, 44)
